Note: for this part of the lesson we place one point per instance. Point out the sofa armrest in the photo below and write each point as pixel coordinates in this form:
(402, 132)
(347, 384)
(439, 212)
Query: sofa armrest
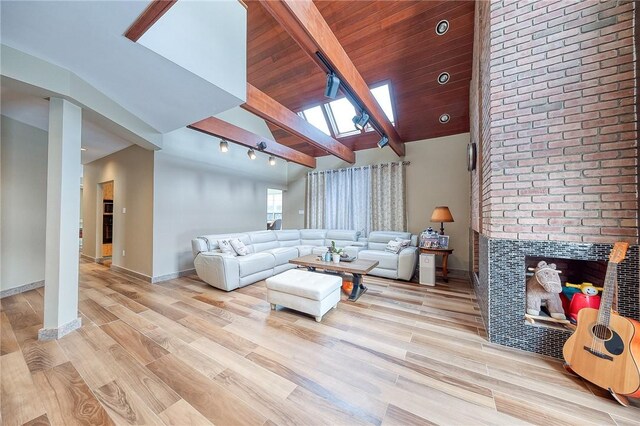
(407, 260)
(219, 270)
(353, 249)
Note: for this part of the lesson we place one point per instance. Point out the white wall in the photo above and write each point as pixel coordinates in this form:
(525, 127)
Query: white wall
(131, 171)
(437, 176)
(199, 190)
(24, 198)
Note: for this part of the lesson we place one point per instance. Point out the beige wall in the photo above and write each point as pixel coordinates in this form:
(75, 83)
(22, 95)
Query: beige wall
(437, 176)
(199, 191)
(23, 188)
(131, 171)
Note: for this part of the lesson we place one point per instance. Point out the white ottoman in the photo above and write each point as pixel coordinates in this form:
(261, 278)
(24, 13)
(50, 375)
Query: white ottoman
(309, 292)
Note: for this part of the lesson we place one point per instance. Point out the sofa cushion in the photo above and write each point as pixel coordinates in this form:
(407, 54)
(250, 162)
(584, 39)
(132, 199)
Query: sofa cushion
(226, 247)
(283, 254)
(386, 260)
(378, 240)
(310, 285)
(212, 240)
(288, 237)
(255, 262)
(393, 246)
(239, 247)
(342, 237)
(304, 250)
(312, 237)
(263, 240)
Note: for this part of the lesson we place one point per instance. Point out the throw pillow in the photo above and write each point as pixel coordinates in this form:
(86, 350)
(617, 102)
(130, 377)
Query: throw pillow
(393, 246)
(404, 243)
(225, 247)
(239, 247)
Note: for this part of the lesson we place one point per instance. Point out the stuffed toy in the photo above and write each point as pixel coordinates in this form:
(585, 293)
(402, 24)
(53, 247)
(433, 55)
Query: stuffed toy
(545, 285)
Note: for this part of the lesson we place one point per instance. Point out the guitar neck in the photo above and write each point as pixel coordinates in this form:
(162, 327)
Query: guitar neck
(606, 299)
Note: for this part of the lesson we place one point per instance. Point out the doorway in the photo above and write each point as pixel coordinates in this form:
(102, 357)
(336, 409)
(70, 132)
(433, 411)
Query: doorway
(105, 232)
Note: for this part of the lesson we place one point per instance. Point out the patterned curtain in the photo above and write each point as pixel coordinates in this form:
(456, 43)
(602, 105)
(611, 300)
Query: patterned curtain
(315, 200)
(369, 198)
(388, 198)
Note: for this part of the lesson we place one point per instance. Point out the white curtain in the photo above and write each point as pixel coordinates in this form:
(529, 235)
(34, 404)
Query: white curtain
(360, 198)
(388, 210)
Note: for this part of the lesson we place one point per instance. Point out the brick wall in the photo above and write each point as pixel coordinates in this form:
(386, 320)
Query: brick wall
(557, 121)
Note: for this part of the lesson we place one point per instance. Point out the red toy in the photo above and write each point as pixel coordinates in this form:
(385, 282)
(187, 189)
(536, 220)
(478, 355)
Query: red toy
(588, 298)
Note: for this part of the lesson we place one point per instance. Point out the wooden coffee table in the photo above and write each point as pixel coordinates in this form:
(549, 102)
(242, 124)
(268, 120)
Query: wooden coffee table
(357, 269)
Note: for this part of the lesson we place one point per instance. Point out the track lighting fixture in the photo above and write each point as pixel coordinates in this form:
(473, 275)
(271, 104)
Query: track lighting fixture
(443, 78)
(444, 118)
(361, 120)
(384, 141)
(261, 146)
(272, 161)
(333, 84)
(442, 27)
(224, 146)
(252, 154)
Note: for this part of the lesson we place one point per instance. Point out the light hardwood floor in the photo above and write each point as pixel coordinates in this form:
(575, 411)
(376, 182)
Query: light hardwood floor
(181, 352)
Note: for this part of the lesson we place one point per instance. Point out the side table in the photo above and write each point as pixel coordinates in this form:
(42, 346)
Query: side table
(445, 257)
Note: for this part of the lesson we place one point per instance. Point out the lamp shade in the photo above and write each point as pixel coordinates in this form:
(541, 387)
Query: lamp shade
(441, 214)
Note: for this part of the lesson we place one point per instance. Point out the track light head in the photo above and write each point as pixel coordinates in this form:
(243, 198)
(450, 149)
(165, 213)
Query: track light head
(261, 146)
(224, 146)
(272, 161)
(252, 154)
(361, 120)
(333, 84)
(384, 141)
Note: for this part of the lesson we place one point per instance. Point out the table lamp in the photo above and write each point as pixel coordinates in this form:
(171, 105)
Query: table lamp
(441, 214)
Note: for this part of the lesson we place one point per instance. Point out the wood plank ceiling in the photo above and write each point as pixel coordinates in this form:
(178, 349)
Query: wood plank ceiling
(388, 41)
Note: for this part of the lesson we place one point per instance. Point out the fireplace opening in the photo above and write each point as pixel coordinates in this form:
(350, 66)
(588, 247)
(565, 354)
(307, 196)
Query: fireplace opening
(579, 286)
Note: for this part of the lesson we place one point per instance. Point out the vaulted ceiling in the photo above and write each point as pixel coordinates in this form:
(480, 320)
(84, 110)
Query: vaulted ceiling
(388, 41)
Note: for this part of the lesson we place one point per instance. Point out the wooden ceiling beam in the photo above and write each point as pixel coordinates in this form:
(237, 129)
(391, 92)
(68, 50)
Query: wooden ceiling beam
(304, 23)
(269, 109)
(215, 127)
(147, 18)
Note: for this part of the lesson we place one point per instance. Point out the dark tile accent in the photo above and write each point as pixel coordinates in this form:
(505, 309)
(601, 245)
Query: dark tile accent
(501, 289)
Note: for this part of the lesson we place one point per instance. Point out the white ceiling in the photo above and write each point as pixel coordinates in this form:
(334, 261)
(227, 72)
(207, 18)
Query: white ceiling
(86, 37)
(34, 111)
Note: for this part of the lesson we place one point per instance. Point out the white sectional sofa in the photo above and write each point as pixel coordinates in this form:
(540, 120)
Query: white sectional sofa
(270, 252)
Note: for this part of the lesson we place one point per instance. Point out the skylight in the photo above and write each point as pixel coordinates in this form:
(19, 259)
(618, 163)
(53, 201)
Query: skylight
(382, 95)
(315, 117)
(340, 114)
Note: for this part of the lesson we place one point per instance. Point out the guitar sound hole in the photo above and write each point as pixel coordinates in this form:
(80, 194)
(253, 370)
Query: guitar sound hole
(602, 332)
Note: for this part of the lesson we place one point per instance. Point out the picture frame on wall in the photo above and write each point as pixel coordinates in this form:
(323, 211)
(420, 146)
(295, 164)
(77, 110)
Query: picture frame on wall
(443, 241)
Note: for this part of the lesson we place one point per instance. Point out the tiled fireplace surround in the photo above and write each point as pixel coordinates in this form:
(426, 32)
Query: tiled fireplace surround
(500, 287)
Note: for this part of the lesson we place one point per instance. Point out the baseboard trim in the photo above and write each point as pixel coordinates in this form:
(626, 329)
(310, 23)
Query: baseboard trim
(45, 334)
(172, 276)
(21, 289)
(87, 257)
(131, 273)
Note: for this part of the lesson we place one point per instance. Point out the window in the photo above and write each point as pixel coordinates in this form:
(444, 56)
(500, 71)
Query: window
(274, 204)
(315, 117)
(340, 113)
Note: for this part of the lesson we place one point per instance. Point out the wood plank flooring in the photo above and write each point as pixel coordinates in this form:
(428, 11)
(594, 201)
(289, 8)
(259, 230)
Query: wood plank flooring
(182, 352)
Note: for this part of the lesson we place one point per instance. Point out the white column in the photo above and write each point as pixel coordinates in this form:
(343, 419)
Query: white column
(63, 218)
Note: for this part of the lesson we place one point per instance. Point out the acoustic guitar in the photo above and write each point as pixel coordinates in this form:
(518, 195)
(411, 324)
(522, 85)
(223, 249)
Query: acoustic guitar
(605, 348)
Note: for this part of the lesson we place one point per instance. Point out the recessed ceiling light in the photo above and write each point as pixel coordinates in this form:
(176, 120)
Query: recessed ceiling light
(443, 78)
(272, 161)
(251, 153)
(83, 149)
(442, 27)
(224, 146)
(444, 118)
